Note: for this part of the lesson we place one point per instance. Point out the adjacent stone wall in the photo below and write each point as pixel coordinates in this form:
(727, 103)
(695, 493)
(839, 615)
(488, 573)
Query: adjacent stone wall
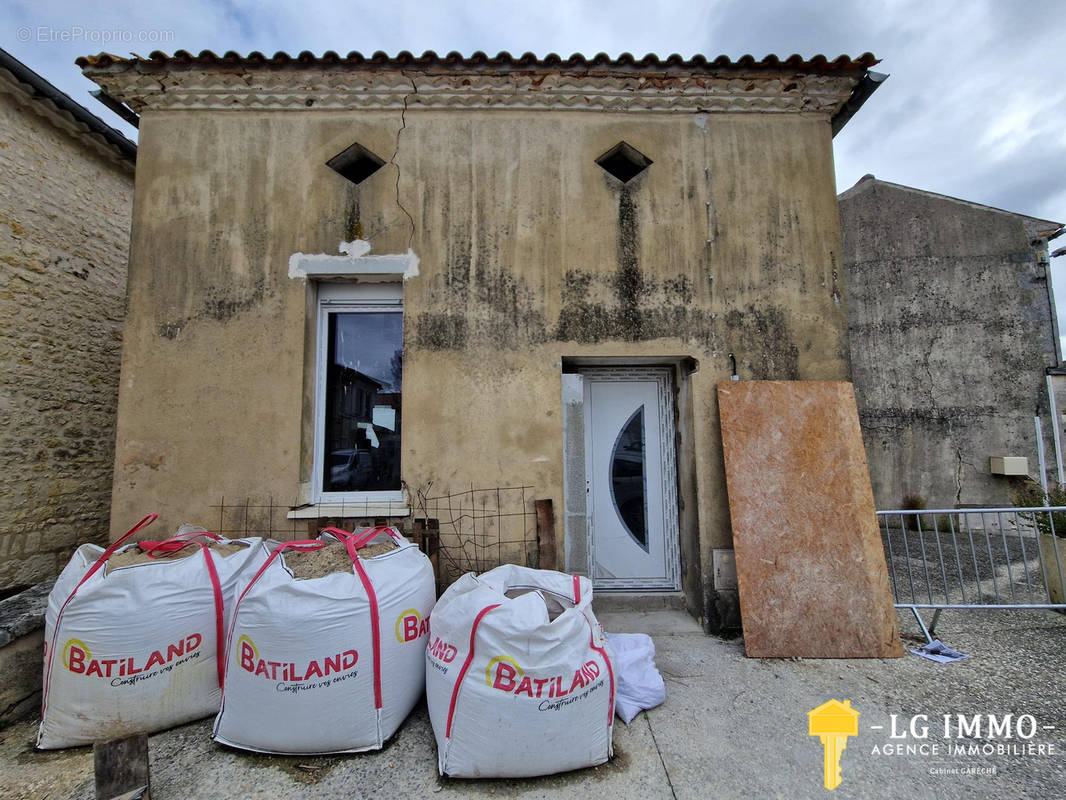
(64, 234)
(951, 330)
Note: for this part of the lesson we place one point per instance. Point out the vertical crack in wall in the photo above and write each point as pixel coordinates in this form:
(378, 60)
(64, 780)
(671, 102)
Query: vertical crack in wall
(396, 152)
(958, 476)
(712, 229)
(932, 381)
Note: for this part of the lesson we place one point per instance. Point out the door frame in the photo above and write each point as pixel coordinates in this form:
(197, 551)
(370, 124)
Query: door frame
(663, 377)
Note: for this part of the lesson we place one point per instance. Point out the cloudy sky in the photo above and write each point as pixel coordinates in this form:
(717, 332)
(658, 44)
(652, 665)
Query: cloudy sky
(975, 106)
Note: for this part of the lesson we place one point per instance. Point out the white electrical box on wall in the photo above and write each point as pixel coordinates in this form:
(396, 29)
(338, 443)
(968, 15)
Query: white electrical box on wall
(1009, 465)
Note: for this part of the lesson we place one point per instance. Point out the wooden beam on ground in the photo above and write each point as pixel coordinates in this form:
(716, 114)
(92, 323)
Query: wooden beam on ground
(545, 533)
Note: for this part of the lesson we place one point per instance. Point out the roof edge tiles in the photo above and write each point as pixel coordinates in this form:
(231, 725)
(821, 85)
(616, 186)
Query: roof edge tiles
(80, 121)
(208, 82)
(453, 61)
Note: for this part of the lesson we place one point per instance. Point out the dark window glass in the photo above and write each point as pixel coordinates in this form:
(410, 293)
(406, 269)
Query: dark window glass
(628, 479)
(364, 376)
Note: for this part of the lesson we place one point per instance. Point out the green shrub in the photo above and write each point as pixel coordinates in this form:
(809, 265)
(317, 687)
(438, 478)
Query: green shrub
(1030, 494)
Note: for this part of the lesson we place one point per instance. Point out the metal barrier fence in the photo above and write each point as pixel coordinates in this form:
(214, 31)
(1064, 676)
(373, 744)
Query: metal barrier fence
(975, 558)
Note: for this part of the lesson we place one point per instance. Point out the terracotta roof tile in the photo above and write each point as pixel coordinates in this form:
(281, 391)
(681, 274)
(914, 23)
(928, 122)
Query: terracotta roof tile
(429, 60)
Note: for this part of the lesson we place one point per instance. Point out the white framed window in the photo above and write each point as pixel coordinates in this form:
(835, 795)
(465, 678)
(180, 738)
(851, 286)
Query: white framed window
(358, 393)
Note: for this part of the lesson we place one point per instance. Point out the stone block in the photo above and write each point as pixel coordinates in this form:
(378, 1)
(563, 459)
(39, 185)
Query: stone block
(21, 643)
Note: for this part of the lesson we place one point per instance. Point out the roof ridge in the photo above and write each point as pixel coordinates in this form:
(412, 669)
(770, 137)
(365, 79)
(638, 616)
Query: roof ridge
(870, 181)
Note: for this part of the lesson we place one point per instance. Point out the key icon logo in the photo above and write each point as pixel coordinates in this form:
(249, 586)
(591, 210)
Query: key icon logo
(833, 722)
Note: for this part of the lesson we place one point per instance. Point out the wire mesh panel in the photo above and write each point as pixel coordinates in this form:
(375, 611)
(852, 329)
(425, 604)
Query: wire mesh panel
(476, 529)
(243, 517)
(482, 528)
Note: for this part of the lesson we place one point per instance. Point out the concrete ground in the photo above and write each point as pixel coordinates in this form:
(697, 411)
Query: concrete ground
(731, 727)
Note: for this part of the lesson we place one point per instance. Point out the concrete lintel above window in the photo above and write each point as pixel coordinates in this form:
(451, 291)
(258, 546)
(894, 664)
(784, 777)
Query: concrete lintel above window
(354, 262)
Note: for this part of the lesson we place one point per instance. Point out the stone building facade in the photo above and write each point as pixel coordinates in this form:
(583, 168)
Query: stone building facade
(567, 256)
(65, 205)
(952, 327)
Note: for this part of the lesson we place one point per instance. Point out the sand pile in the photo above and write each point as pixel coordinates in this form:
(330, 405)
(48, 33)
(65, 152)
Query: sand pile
(134, 555)
(307, 564)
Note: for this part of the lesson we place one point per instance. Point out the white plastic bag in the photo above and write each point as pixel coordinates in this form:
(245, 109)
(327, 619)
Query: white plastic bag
(519, 678)
(331, 664)
(640, 686)
(133, 649)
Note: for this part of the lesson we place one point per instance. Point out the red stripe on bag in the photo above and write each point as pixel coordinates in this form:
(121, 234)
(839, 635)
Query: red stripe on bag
(577, 589)
(375, 623)
(110, 551)
(362, 539)
(610, 670)
(175, 544)
(305, 545)
(220, 634)
(466, 666)
(184, 537)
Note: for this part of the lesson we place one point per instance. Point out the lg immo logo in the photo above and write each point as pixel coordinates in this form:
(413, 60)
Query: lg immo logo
(833, 722)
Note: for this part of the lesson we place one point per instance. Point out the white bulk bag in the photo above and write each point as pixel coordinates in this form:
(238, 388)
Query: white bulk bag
(513, 692)
(133, 649)
(332, 664)
(640, 686)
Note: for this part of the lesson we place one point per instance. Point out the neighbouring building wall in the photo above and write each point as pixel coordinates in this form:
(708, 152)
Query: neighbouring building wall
(64, 233)
(951, 330)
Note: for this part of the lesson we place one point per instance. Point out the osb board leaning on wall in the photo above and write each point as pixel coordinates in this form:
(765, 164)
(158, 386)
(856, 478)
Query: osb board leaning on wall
(810, 565)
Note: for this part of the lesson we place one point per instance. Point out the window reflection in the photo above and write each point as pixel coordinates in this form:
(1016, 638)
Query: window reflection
(628, 481)
(364, 380)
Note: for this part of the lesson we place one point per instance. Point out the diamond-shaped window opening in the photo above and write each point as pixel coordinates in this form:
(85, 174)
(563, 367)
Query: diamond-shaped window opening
(624, 162)
(355, 163)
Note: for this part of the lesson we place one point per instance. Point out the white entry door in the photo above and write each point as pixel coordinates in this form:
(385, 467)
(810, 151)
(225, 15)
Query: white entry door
(631, 473)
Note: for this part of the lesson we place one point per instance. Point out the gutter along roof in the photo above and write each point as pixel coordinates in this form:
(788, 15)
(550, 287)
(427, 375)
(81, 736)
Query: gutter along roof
(83, 121)
(836, 87)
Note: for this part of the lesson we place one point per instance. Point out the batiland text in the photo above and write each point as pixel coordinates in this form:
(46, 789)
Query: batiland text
(128, 670)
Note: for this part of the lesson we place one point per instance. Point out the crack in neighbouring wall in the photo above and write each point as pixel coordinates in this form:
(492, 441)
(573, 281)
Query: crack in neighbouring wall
(960, 463)
(958, 475)
(396, 152)
(932, 382)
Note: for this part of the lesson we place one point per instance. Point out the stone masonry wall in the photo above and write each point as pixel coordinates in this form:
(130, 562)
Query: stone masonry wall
(951, 330)
(64, 236)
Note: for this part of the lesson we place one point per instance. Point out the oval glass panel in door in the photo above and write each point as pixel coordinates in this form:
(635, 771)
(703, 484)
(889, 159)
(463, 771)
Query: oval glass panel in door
(628, 479)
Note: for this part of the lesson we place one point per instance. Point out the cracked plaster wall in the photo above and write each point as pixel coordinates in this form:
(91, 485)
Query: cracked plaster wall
(950, 331)
(529, 253)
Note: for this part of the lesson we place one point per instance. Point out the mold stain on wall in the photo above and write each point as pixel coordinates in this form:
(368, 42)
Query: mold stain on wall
(477, 301)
